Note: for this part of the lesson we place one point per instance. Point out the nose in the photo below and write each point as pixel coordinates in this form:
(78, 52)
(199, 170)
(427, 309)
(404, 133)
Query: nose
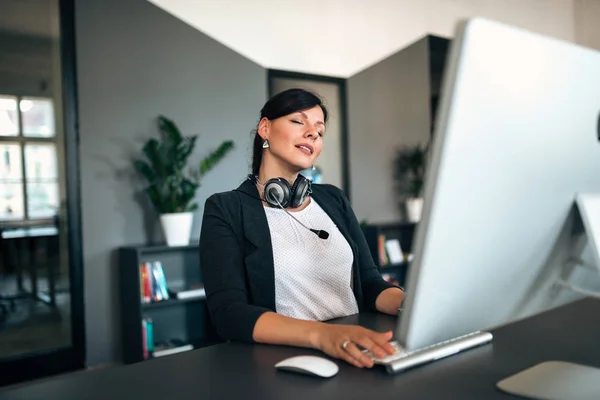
(312, 133)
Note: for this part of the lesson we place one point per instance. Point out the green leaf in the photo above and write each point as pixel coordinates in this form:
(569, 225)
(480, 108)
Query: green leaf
(212, 159)
(177, 148)
(145, 170)
(183, 152)
(409, 169)
(172, 185)
(152, 150)
(188, 191)
(155, 198)
(170, 132)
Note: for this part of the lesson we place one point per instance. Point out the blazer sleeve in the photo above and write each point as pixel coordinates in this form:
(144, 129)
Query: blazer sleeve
(371, 280)
(223, 272)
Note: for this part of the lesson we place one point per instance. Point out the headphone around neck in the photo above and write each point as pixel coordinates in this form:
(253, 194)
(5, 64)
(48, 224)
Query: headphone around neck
(279, 193)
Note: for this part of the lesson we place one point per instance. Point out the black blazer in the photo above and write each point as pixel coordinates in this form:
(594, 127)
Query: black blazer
(236, 257)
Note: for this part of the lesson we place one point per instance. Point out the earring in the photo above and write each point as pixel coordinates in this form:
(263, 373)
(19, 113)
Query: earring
(265, 144)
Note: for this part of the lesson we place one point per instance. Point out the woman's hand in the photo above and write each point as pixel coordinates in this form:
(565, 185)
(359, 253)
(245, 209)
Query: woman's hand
(331, 338)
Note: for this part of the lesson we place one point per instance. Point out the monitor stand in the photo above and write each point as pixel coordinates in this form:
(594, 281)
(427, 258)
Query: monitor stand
(554, 380)
(588, 214)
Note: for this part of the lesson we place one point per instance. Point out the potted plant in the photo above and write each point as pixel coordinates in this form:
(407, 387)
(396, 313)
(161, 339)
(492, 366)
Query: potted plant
(172, 185)
(409, 175)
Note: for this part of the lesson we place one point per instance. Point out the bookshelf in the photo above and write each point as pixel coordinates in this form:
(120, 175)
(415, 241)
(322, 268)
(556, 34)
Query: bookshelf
(392, 264)
(162, 302)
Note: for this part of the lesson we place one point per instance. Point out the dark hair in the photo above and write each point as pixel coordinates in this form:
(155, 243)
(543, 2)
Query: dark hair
(284, 103)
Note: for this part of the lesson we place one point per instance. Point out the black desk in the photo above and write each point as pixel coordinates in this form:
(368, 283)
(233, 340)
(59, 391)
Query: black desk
(20, 246)
(242, 371)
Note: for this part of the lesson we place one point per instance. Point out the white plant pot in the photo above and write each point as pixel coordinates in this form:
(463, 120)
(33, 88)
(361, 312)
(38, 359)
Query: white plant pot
(177, 228)
(414, 209)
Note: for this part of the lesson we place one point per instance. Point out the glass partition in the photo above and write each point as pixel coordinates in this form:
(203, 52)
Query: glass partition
(41, 310)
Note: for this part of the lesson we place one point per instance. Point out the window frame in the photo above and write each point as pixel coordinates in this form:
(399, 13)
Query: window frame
(22, 141)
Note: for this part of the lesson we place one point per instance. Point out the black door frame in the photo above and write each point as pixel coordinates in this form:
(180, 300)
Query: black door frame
(341, 83)
(61, 360)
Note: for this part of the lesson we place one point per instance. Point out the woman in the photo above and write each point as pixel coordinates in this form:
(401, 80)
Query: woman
(279, 255)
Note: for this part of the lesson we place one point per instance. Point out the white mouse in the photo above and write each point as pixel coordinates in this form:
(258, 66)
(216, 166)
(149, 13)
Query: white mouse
(310, 365)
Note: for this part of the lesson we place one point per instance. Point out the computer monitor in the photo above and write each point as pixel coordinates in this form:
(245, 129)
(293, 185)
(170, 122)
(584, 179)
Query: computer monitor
(517, 139)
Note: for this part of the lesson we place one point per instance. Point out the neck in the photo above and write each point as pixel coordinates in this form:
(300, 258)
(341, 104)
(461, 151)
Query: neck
(265, 173)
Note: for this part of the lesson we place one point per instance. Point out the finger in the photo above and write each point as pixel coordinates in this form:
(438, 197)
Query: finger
(380, 343)
(383, 340)
(358, 355)
(372, 346)
(349, 359)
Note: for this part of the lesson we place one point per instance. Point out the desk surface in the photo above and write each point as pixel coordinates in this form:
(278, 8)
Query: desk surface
(20, 233)
(237, 370)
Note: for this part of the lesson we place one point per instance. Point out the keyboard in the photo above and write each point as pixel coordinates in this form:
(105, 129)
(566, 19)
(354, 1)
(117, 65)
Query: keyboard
(403, 359)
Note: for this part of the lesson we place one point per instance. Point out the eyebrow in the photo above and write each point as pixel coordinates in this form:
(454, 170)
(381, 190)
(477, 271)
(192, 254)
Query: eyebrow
(306, 117)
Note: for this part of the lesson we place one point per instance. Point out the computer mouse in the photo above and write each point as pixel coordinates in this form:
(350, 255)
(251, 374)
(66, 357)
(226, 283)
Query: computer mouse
(309, 365)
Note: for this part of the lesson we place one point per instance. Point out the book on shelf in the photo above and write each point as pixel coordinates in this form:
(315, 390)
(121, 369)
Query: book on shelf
(383, 257)
(153, 284)
(394, 251)
(192, 292)
(161, 351)
(390, 251)
(171, 346)
(147, 337)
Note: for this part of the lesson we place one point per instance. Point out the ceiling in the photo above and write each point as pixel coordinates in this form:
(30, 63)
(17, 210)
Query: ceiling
(37, 18)
(342, 37)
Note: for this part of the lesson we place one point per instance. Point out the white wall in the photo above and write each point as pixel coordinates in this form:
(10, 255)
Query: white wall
(351, 35)
(388, 106)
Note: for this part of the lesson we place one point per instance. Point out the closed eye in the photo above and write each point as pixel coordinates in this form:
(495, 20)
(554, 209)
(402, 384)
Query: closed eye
(302, 123)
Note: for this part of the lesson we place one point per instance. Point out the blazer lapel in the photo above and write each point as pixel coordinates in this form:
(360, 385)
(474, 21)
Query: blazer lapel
(332, 209)
(259, 253)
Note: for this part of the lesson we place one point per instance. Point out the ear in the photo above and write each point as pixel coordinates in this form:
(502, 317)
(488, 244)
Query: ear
(264, 126)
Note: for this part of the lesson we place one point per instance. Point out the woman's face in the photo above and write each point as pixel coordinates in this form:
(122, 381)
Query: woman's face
(295, 139)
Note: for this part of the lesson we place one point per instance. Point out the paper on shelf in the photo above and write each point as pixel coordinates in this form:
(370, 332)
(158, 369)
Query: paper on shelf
(394, 251)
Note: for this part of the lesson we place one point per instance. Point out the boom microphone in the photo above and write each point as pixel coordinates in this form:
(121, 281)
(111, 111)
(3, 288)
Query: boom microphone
(320, 233)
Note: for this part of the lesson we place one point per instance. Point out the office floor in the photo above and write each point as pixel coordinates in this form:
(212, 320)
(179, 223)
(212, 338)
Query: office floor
(33, 325)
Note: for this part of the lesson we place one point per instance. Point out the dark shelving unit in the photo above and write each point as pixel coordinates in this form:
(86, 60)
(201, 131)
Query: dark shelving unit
(171, 302)
(404, 232)
(185, 320)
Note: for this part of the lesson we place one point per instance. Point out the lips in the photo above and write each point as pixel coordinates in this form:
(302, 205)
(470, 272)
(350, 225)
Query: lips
(306, 148)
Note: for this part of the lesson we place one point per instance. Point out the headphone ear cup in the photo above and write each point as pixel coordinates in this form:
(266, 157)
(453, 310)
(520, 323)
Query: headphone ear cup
(277, 190)
(300, 190)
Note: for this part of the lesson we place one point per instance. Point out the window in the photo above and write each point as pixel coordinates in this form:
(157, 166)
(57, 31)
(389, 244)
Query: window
(28, 159)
